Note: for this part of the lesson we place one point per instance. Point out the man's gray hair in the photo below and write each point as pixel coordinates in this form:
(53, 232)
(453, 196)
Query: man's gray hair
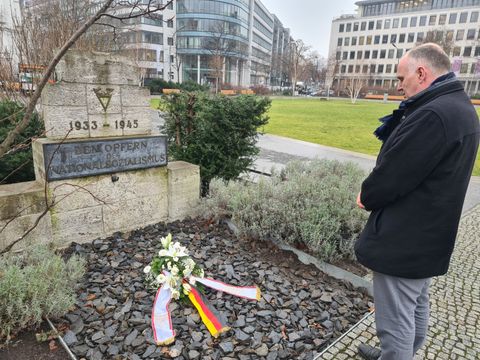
(433, 55)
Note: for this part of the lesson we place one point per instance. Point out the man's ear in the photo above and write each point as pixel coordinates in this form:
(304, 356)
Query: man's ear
(421, 74)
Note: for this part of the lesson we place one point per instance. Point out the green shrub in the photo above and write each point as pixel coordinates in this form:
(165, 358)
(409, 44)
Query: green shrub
(35, 284)
(216, 132)
(308, 204)
(21, 160)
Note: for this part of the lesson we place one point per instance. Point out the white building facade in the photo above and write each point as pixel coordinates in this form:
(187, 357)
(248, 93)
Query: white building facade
(368, 44)
(9, 13)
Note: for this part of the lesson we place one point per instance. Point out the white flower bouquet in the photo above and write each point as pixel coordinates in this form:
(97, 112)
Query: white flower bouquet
(171, 269)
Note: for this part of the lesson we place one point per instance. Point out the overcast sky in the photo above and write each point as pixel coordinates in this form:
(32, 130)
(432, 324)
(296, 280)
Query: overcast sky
(310, 20)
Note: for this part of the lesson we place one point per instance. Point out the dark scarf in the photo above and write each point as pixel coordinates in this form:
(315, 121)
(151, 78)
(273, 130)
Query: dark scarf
(390, 122)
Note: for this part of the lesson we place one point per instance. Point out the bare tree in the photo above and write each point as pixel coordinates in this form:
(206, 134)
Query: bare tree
(296, 61)
(219, 45)
(113, 10)
(442, 37)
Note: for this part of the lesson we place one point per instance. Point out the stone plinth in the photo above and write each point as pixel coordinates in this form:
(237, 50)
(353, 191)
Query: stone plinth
(96, 95)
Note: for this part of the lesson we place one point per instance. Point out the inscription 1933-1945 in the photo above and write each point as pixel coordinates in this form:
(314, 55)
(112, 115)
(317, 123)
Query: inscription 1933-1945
(89, 158)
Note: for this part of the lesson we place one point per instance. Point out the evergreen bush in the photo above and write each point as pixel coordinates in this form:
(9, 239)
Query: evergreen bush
(35, 284)
(216, 132)
(307, 205)
(17, 166)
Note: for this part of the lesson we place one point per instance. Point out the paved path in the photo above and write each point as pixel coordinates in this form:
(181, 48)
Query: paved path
(454, 331)
(276, 151)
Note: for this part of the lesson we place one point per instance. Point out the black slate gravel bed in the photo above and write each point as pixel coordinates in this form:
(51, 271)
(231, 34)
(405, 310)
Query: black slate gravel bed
(301, 310)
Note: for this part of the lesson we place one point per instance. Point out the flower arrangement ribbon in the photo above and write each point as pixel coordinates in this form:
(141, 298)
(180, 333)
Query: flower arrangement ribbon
(214, 321)
(174, 273)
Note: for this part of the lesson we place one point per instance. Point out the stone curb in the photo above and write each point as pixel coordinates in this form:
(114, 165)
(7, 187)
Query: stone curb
(333, 271)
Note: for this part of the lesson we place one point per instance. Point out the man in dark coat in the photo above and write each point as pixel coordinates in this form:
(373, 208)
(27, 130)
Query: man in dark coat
(415, 194)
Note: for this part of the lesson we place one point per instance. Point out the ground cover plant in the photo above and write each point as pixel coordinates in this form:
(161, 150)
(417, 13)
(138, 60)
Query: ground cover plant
(35, 284)
(310, 205)
(336, 123)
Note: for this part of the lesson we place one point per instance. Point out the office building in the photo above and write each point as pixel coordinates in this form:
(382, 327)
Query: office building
(368, 44)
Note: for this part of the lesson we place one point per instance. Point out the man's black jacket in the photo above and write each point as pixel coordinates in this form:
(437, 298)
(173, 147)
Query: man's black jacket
(417, 188)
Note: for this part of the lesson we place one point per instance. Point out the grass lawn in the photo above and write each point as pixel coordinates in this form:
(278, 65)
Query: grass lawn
(336, 123)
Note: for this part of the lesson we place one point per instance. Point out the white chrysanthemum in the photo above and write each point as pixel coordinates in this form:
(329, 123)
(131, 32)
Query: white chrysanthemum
(175, 294)
(147, 269)
(192, 280)
(174, 270)
(161, 279)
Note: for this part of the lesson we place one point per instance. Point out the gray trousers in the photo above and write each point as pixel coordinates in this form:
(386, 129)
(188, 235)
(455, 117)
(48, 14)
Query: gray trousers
(401, 315)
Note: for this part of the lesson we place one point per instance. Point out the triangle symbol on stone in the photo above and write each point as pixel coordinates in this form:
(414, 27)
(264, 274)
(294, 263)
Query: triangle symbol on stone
(104, 96)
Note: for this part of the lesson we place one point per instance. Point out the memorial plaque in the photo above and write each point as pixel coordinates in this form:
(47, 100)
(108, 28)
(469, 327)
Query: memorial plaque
(90, 158)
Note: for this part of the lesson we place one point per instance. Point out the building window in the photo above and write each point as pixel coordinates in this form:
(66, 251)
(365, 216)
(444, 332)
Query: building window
(354, 40)
(385, 39)
(393, 38)
(452, 19)
(374, 54)
(386, 25)
(383, 53)
(391, 53)
(345, 55)
(404, 22)
(399, 54)
(411, 37)
(349, 27)
(380, 68)
(350, 69)
(432, 20)
(367, 53)
(371, 24)
(372, 69)
(369, 39)
(379, 25)
(467, 51)
(423, 21)
(161, 56)
(470, 34)
(352, 55)
(420, 37)
(170, 5)
(343, 69)
(376, 39)
(464, 69)
(363, 25)
(474, 16)
(401, 39)
(359, 55)
(170, 23)
(442, 19)
(170, 41)
(413, 21)
(477, 51)
(388, 69)
(463, 17)
(341, 28)
(339, 41)
(357, 69)
(361, 40)
(456, 51)
(460, 35)
(395, 23)
(338, 55)
(355, 26)
(347, 42)
(449, 35)
(364, 69)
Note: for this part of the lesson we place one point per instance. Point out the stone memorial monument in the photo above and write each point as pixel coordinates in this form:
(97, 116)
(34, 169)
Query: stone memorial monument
(100, 165)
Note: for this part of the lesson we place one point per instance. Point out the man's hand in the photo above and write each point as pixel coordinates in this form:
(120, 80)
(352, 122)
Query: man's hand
(359, 201)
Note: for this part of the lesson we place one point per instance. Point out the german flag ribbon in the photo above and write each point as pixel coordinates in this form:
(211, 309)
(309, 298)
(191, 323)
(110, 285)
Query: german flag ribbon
(214, 321)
